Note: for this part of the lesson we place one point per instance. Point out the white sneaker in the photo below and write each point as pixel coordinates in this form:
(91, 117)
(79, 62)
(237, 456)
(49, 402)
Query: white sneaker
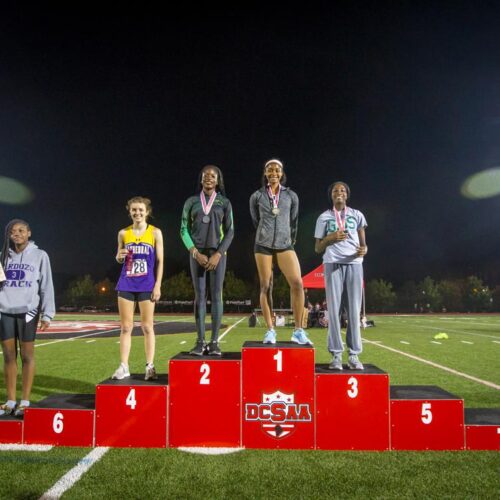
(6, 409)
(121, 372)
(354, 363)
(150, 373)
(336, 363)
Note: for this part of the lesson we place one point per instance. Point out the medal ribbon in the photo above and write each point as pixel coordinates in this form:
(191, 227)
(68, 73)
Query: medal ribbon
(275, 198)
(338, 218)
(207, 206)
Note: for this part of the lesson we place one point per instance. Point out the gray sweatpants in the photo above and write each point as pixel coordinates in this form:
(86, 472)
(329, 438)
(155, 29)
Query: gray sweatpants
(340, 277)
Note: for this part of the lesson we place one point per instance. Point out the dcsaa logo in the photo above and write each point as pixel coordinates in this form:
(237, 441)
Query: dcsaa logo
(278, 413)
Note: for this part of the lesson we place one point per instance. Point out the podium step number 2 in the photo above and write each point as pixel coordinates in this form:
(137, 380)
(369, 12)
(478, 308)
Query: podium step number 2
(205, 394)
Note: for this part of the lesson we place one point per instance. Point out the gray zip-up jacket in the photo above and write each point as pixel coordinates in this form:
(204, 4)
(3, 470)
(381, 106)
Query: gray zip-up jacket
(275, 231)
(28, 288)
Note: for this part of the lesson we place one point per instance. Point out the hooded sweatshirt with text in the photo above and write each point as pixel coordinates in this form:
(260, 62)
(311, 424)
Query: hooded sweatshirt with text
(28, 287)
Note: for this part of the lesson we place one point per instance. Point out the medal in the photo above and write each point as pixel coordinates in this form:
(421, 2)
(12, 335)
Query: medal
(207, 206)
(275, 199)
(338, 218)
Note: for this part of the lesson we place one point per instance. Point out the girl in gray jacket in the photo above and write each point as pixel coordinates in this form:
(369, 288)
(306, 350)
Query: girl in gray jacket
(275, 213)
(26, 296)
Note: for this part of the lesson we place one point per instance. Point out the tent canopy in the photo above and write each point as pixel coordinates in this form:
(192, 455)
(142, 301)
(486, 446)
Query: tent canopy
(315, 279)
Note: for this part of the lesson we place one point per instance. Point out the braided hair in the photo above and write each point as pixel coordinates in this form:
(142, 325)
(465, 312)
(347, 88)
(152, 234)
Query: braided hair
(7, 243)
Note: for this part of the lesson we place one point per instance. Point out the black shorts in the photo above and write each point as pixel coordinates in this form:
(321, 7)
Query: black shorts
(270, 251)
(15, 326)
(135, 296)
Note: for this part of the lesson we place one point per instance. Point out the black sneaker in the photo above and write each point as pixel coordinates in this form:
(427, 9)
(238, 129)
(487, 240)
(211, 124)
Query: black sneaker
(198, 349)
(214, 349)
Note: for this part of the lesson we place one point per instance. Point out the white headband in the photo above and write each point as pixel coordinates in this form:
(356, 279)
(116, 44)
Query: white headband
(274, 160)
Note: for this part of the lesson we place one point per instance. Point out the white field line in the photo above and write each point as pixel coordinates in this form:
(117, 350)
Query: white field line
(496, 341)
(435, 342)
(459, 331)
(89, 341)
(78, 337)
(404, 342)
(230, 328)
(25, 447)
(73, 475)
(90, 335)
(466, 342)
(435, 365)
(209, 451)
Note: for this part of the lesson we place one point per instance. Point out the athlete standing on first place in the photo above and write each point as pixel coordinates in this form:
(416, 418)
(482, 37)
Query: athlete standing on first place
(140, 249)
(340, 234)
(26, 295)
(207, 231)
(275, 214)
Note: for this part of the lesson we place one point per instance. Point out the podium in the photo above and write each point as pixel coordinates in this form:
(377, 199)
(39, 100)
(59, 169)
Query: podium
(11, 430)
(278, 395)
(426, 418)
(482, 428)
(352, 409)
(269, 396)
(205, 395)
(132, 412)
(61, 420)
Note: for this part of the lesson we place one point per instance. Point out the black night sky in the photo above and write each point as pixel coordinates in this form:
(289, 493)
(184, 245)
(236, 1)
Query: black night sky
(401, 100)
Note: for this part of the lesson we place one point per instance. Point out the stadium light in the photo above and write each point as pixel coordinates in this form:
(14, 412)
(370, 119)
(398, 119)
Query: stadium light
(485, 184)
(13, 192)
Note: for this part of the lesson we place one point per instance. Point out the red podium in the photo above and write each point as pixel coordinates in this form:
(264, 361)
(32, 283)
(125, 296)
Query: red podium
(482, 428)
(205, 395)
(11, 430)
(352, 409)
(426, 418)
(132, 412)
(278, 395)
(61, 420)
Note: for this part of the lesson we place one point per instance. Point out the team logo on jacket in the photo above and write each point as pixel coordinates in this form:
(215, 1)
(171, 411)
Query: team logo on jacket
(278, 414)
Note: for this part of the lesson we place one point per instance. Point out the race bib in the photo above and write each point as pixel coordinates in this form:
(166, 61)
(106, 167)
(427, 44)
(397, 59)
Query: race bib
(139, 268)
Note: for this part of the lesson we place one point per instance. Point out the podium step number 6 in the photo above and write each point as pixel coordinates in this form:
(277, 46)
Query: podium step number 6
(57, 423)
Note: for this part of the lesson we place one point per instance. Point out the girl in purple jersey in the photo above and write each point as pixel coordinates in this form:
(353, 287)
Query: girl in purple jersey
(140, 250)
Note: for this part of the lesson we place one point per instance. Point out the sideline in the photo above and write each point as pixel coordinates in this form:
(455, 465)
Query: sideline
(25, 447)
(74, 474)
(435, 365)
(230, 328)
(445, 328)
(92, 334)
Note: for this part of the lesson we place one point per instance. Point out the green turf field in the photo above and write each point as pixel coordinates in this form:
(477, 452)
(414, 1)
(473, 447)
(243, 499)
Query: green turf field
(466, 364)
